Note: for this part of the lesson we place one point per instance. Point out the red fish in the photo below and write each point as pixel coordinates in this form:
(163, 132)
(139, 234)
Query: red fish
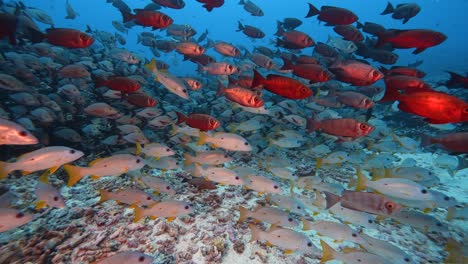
(355, 72)
(201, 59)
(148, 18)
(365, 202)
(402, 11)
(200, 121)
(174, 4)
(304, 59)
(436, 107)
(457, 81)
(242, 96)
(66, 37)
(453, 142)
(349, 32)
(117, 83)
(345, 128)
(400, 70)
(242, 81)
(312, 72)
(251, 31)
(420, 39)
(332, 15)
(141, 100)
(293, 39)
(8, 25)
(281, 85)
(210, 4)
(402, 83)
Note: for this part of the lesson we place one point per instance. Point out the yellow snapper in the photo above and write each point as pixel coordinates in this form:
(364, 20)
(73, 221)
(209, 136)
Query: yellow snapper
(220, 175)
(287, 239)
(337, 231)
(262, 184)
(50, 158)
(171, 83)
(164, 163)
(357, 257)
(157, 184)
(385, 249)
(337, 157)
(354, 217)
(129, 196)
(207, 157)
(12, 133)
(12, 218)
(48, 195)
(287, 203)
(227, 141)
(417, 174)
(423, 222)
(271, 215)
(170, 209)
(115, 165)
(155, 150)
(283, 173)
(253, 124)
(127, 257)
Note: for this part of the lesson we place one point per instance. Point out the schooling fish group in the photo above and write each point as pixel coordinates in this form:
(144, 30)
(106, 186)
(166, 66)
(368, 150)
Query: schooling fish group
(240, 132)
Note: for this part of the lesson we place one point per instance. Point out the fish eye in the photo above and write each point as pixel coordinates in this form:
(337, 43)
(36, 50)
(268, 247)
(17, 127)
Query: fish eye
(19, 215)
(168, 187)
(237, 177)
(466, 110)
(141, 259)
(406, 259)
(375, 73)
(424, 191)
(246, 143)
(299, 208)
(363, 126)
(439, 224)
(148, 198)
(168, 150)
(138, 161)
(354, 235)
(187, 207)
(83, 36)
(290, 219)
(389, 206)
(212, 121)
(56, 198)
(275, 187)
(226, 156)
(184, 91)
(23, 133)
(72, 151)
(370, 221)
(230, 67)
(446, 198)
(309, 244)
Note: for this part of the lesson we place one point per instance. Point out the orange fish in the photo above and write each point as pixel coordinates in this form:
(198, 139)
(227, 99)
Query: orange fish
(242, 96)
(281, 85)
(68, 38)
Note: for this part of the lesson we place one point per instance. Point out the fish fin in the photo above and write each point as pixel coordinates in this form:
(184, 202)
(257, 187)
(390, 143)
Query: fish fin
(53, 170)
(319, 163)
(139, 213)
(4, 170)
(24, 173)
(151, 66)
(257, 79)
(138, 148)
(427, 210)
(305, 225)
(313, 11)
(105, 195)
(388, 10)
(181, 118)
(328, 253)
(349, 250)
(362, 180)
(40, 204)
(288, 251)
(450, 213)
(94, 161)
(188, 159)
(197, 170)
(419, 50)
(155, 193)
(254, 233)
(74, 174)
(331, 198)
(44, 177)
(170, 219)
(94, 177)
(202, 139)
(156, 158)
(312, 125)
(243, 213)
(268, 244)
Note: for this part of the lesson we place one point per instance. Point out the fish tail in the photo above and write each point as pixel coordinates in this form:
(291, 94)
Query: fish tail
(100, 82)
(197, 171)
(305, 225)
(74, 174)
(202, 139)
(257, 79)
(221, 89)
(331, 198)
(4, 169)
(359, 25)
(426, 140)
(36, 36)
(105, 195)
(188, 159)
(279, 29)
(312, 125)
(388, 10)
(328, 253)
(287, 64)
(383, 70)
(450, 213)
(181, 118)
(241, 2)
(244, 213)
(313, 11)
(138, 148)
(127, 16)
(454, 78)
(240, 26)
(319, 163)
(138, 212)
(254, 233)
(362, 180)
(151, 66)
(391, 94)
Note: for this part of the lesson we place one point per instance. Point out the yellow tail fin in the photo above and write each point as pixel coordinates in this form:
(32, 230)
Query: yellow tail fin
(74, 174)
(243, 213)
(328, 253)
(138, 149)
(4, 170)
(255, 233)
(188, 159)
(318, 165)
(203, 138)
(139, 214)
(105, 195)
(362, 180)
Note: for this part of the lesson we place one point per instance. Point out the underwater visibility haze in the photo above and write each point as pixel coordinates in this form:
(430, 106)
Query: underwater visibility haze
(251, 131)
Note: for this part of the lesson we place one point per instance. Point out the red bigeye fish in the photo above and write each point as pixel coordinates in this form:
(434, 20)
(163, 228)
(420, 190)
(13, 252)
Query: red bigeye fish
(365, 202)
(400, 70)
(312, 72)
(8, 25)
(453, 142)
(395, 84)
(117, 83)
(349, 32)
(420, 39)
(242, 96)
(200, 121)
(281, 85)
(346, 129)
(141, 100)
(250, 31)
(457, 81)
(332, 15)
(66, 37)
(436, 107)
(209, 5)
(148, 18)
(402, 11)
(355, 72)
(293, 39)
(174, 4)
